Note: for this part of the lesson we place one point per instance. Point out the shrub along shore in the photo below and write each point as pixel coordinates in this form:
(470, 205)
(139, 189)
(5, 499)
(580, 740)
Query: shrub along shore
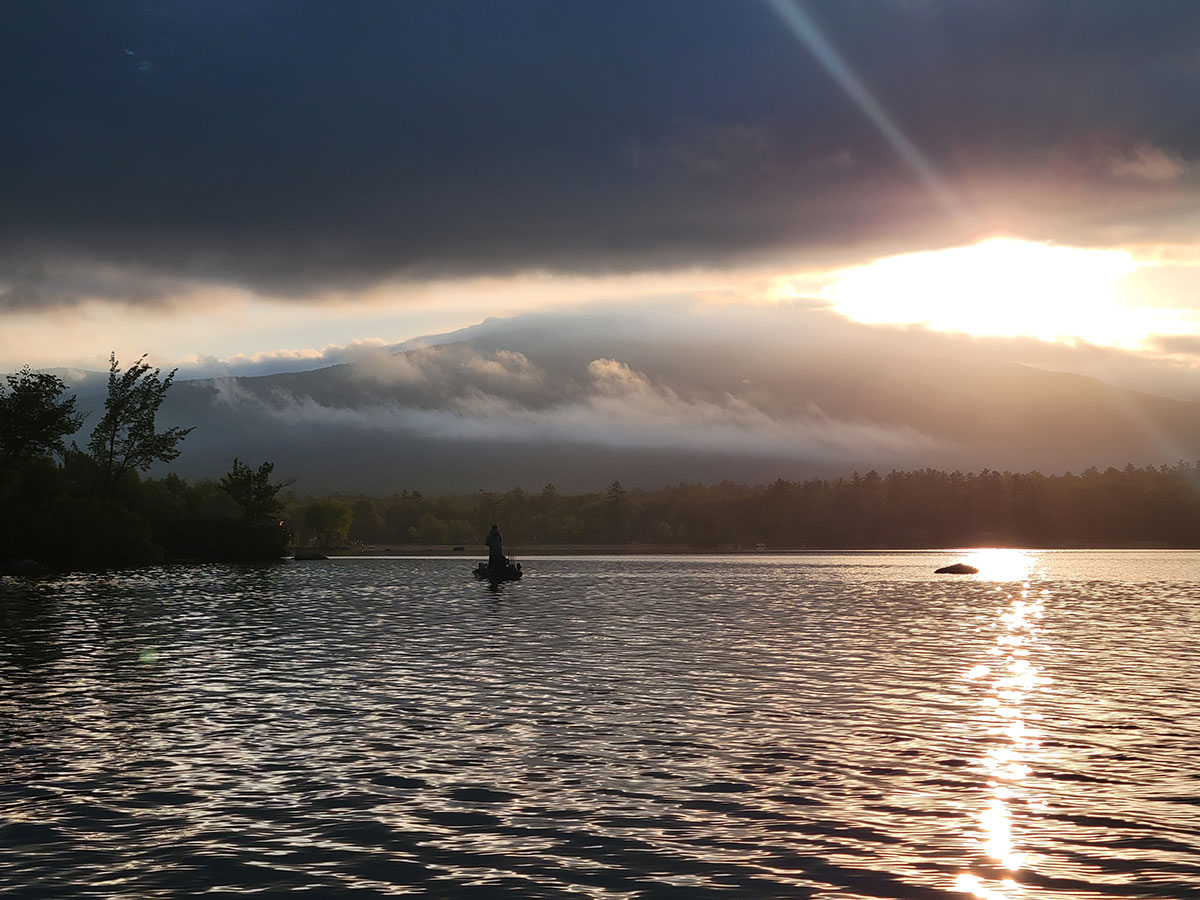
(67, 507)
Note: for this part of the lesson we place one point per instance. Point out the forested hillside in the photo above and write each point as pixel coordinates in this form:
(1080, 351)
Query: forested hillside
(1150, 506)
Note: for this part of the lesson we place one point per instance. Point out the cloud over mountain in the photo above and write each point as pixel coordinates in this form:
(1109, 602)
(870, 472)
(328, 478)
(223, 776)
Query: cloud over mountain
(732, 393)
(454, 393)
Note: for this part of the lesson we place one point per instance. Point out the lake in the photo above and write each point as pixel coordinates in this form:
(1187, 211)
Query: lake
(817, 725)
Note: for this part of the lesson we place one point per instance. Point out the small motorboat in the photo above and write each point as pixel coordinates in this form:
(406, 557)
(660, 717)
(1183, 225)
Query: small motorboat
(509, 571)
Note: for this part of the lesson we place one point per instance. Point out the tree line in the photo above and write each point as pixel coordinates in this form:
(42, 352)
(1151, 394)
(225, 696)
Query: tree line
(1126, 507)
(67, 507)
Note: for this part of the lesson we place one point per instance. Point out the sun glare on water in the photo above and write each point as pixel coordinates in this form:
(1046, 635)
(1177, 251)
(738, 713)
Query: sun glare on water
(1002, 564)
(1009, 674)
(1001, 287)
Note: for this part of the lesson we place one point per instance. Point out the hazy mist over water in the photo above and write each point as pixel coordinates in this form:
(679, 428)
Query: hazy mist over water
(827, 725)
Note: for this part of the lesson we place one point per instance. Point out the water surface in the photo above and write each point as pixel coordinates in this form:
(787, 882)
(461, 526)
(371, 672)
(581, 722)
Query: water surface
(825, 725)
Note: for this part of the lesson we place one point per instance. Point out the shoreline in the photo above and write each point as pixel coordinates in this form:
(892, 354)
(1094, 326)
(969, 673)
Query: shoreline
(470, 552)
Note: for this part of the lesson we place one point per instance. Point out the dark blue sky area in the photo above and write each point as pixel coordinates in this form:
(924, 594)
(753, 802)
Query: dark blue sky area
(296, 145)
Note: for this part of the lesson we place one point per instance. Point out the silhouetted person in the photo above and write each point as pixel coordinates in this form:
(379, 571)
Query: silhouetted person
(495, 545)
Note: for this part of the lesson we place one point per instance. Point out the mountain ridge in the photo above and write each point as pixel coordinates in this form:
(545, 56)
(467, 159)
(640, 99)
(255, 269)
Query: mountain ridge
(530, 400)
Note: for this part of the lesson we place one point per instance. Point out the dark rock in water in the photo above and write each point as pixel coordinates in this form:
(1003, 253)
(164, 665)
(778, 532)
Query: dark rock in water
(309, 555)
(957, 569)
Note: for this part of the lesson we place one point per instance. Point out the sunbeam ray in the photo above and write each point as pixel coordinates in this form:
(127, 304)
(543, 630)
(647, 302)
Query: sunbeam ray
(800, 24)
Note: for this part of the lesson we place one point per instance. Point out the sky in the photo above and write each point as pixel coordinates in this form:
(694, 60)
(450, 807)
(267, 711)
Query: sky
(254, 187)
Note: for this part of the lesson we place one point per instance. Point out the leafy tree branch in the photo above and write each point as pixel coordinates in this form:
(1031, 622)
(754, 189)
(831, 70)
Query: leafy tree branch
(35, 417)
(126, 438)
(251, 489)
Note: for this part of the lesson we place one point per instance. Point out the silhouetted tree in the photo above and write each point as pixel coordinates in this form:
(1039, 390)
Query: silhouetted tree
(259, 534)
(614, 500)
(35, 417)
(253, 492)
(126, 439)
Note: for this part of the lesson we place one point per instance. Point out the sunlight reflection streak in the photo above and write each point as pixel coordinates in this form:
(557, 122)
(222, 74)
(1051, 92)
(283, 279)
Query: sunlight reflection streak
(1006, 763)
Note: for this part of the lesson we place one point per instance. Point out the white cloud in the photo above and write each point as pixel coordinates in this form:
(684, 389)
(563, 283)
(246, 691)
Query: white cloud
(448, 368)
(618, 407)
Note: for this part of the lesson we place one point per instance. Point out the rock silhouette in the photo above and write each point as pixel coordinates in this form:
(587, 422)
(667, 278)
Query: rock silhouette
(957, 569)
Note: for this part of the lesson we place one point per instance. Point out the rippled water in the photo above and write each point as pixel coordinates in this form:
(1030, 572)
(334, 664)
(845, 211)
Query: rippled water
(840, 726)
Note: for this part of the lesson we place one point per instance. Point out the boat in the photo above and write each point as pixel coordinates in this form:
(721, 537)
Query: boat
(510, 571)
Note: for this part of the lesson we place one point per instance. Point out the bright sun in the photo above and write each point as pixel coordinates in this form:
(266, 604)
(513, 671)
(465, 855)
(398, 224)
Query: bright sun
(1001, 287)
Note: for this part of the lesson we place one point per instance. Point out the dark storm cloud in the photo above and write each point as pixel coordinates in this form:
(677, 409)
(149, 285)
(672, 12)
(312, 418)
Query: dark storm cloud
(295, 146)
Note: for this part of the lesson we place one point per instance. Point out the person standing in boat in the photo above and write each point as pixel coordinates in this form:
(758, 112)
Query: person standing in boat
(495, 545)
